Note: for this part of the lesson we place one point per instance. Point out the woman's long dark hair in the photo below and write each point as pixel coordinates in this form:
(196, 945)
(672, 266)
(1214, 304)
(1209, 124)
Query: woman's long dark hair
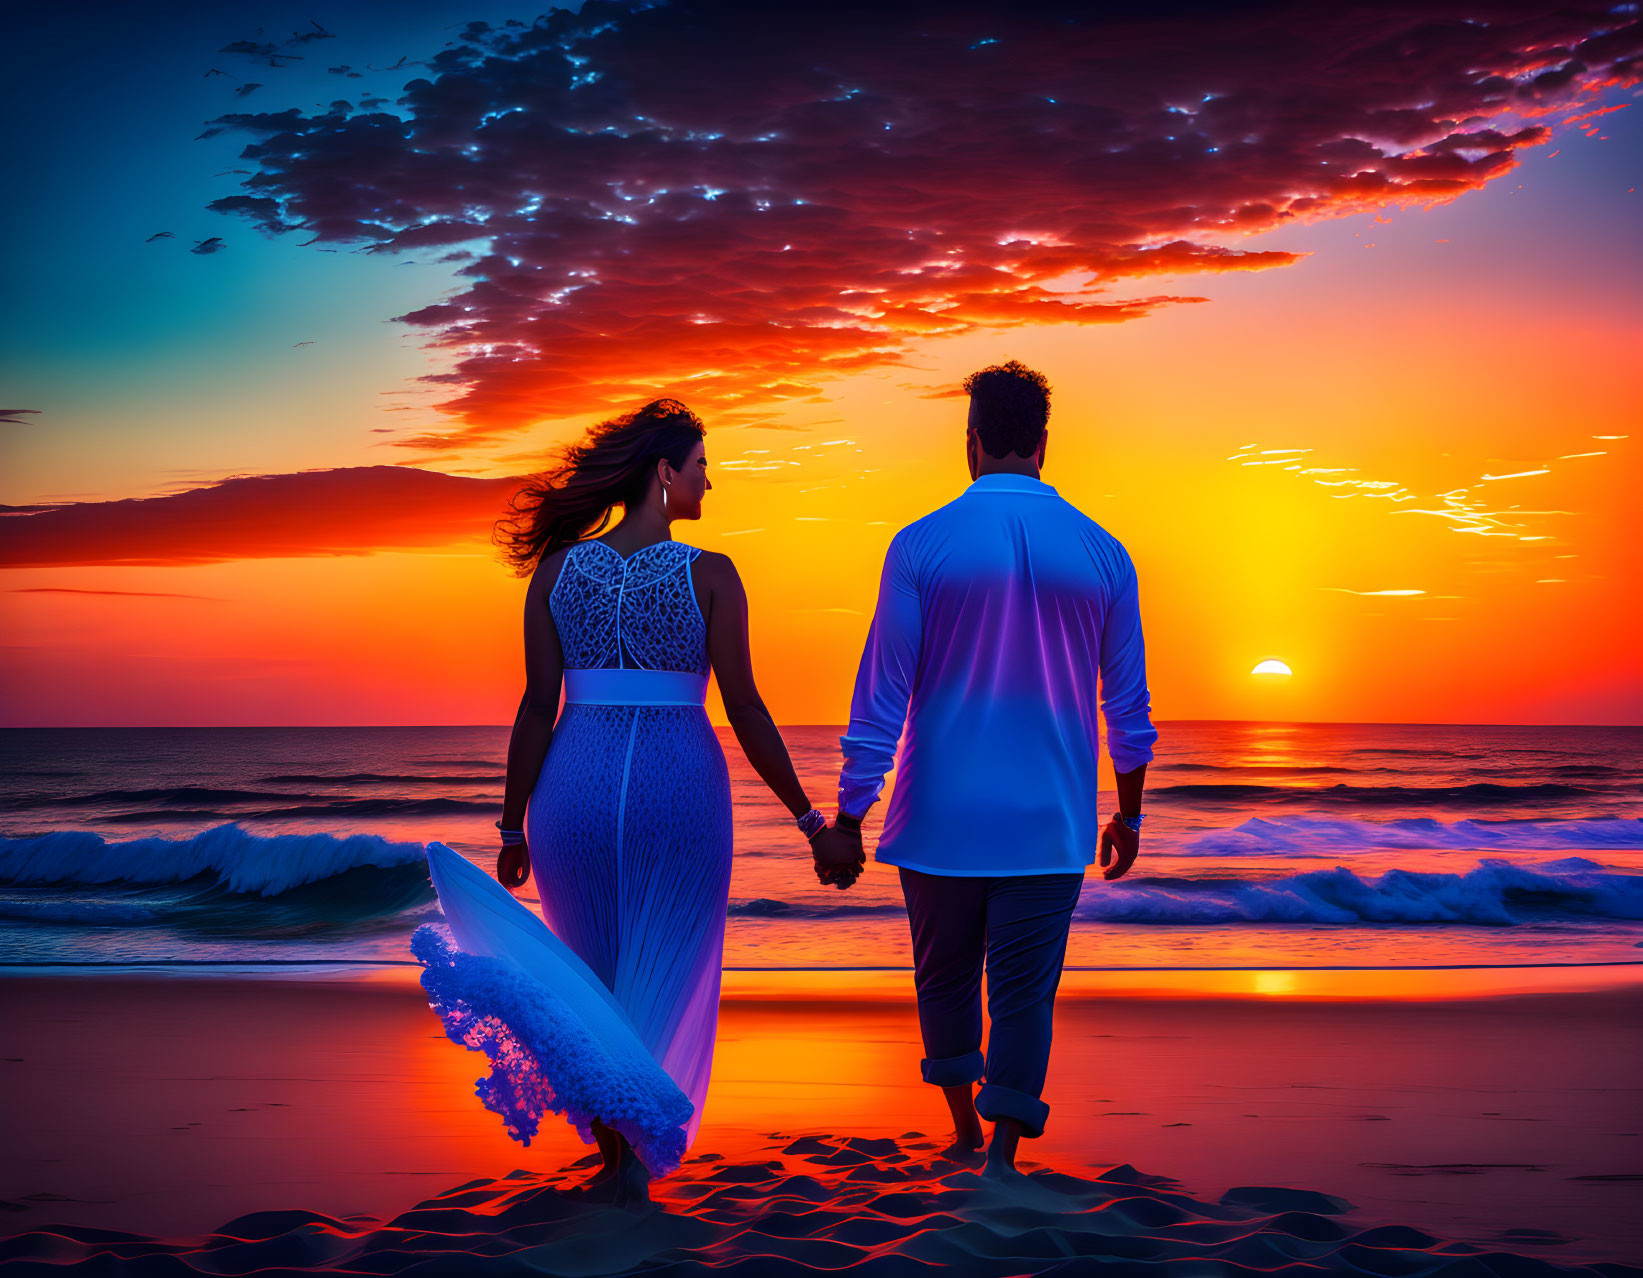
(610, 467)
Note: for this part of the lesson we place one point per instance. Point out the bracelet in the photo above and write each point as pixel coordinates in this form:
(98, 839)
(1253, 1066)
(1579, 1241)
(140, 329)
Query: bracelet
(844, 821)
(811, 823)
(1130, 823)
(511, 838)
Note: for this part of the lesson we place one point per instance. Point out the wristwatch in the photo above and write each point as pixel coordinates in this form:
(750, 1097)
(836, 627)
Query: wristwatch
(844, 821)
(1130, 823)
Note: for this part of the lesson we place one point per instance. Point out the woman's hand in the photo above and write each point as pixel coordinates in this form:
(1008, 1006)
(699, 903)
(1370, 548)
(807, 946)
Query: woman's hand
(513, 866)
(838, 856)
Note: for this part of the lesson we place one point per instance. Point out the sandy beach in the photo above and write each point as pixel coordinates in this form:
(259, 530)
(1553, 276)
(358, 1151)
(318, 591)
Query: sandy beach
(1507, 1121)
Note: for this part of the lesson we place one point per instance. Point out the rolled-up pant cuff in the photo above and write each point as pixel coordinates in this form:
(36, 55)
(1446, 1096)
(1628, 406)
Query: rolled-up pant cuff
(954, 1071)
(994, 1102)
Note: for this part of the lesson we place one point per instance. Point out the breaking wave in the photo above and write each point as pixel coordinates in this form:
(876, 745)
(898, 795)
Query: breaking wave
(1494, 893)
(236, 860)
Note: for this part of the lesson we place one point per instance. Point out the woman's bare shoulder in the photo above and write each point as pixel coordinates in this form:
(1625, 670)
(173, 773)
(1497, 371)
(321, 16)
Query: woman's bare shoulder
(546, 574)
(715, 568)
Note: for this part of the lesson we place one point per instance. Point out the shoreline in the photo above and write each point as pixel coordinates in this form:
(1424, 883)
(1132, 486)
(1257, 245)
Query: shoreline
(168, 1105)
(1437, 982)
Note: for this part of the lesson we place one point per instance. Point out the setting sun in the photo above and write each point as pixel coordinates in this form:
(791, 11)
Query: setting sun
(1272, 666)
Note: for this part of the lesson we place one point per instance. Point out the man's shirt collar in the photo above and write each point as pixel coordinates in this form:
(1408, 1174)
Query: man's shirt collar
(1003, 482)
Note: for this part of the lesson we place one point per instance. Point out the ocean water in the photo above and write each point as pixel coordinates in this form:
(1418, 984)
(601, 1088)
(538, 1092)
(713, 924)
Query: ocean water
(1267, 845)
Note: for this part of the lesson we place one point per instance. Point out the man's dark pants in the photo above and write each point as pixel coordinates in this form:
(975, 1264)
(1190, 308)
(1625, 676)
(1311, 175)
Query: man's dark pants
(1017, 927)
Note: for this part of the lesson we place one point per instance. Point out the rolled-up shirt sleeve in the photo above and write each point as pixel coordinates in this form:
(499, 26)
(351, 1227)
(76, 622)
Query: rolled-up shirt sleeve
(1125, 703)
(884, 684)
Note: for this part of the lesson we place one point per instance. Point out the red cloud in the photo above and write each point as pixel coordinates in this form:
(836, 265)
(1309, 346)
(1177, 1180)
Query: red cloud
(349, 511)
(731, 201)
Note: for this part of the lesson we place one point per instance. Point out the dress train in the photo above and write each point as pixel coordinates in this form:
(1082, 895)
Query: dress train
(502, 983)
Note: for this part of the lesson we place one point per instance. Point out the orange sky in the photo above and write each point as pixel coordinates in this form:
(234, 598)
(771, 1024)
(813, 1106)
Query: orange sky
(1416, 350)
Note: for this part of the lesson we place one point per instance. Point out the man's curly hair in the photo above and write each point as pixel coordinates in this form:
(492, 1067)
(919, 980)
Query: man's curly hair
(1012, 406)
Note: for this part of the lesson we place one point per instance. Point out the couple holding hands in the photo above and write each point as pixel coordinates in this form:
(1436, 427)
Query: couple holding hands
(1007, 624)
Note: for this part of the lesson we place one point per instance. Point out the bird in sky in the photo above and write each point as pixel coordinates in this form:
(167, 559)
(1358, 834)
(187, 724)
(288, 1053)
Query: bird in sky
(211, 245)
(318, 33)
(159, 235)
(260, 51)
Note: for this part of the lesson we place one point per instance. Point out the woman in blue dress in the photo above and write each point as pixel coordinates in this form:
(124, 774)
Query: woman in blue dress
(620, 803)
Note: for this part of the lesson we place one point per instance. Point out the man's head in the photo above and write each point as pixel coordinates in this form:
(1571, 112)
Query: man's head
(1009, 410)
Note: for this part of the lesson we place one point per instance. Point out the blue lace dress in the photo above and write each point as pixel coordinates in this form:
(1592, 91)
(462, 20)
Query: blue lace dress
(629, 824)
(612, 1013)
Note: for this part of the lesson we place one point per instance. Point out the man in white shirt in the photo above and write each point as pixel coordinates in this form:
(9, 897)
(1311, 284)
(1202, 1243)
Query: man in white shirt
(997, 616)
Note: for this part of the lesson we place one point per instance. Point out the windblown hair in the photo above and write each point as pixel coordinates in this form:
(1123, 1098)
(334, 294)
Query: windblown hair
(1012, 406)
(612, 466)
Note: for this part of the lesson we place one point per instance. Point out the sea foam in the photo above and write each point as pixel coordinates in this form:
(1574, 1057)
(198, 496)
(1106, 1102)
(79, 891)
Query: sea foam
(1302, 837)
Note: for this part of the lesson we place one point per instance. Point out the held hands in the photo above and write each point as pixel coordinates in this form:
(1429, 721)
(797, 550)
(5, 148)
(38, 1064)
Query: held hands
(1120, 845)
(838, 856)
(513, 866)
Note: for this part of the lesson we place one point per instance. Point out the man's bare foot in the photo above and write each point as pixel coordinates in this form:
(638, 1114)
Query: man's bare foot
(967, 1139)
(1002, 1173)
(1001, 1152)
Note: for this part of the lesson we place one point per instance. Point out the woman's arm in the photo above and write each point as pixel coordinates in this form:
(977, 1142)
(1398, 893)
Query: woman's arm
(544, 670)
(729, 651)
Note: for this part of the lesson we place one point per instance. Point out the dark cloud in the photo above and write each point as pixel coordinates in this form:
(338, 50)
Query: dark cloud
(14, 416)
(732, 201)
(347, 511)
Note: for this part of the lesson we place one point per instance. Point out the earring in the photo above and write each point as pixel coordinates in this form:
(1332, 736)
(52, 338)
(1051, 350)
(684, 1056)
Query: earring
(664, 499)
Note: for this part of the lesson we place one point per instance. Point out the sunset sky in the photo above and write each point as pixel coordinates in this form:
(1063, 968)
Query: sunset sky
(1343, 315)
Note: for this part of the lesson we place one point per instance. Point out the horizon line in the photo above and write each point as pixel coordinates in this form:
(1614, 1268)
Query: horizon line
(127, 965)
(309, 727)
